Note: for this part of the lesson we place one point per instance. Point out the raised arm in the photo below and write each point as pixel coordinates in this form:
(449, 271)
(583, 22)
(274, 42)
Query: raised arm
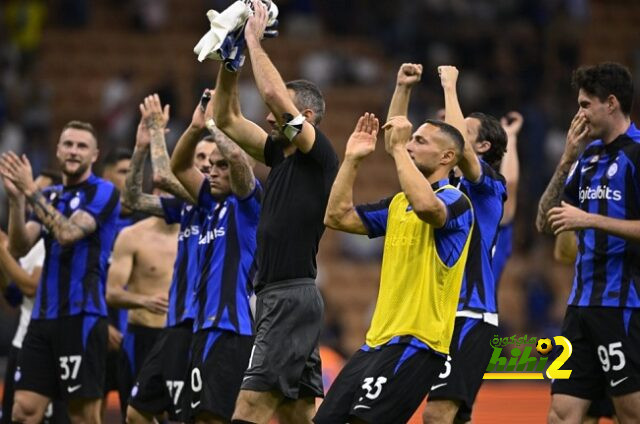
(120, 270)
(133, 197)
(341, 213)
(241, 175)
(27, 283)
(469, 163)
(155, 119)
(229, 119)
(409, 75)
(182, 164)
(415, 186)
(576, 137)
(66, 230)
(22, 235)
(269, 82)
(510, 166)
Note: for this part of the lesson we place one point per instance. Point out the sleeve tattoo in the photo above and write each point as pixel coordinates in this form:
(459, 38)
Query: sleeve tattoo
(134, 198)
(552, 196)
(162, 174)
(66, 230)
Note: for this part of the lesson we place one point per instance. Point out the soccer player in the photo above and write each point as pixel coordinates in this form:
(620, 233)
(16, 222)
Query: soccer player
(115, 167)
(138, 280)
(161, 380)
(510, 170)
(284, 373)
(427, 229)
(64, 352)
(476, 320)
(593, 197)
(230, 196)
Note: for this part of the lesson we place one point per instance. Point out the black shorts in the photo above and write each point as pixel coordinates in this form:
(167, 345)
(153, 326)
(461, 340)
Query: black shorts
(601, 408)
(56, 412)
(137, 342)
(606, 358)
(161, 380)
(218, 361)
(469, 355)
(381, 386)
(285, 355)
(64, 357)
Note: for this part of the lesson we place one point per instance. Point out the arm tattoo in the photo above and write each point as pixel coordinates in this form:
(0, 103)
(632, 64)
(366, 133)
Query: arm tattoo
(552, 196)
(64, 229)
(241, 174)
(134, 198)
(162, 168)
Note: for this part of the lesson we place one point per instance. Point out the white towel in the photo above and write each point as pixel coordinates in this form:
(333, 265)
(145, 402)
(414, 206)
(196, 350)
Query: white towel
(222, 24)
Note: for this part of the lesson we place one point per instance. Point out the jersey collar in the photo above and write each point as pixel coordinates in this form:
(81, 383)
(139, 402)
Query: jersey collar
(438, 184)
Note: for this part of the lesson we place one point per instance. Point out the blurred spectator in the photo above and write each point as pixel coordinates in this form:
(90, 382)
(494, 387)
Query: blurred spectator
(118, 112)
(150, 15)
(74, 13)
(24, 20)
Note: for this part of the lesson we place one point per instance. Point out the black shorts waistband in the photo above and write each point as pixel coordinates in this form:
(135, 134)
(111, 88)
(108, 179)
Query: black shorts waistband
(139, 328)
(283, 284)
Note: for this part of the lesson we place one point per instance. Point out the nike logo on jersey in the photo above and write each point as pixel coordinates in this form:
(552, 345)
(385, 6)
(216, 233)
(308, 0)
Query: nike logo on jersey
(72, 389)
(586, 168)
(437, 386)
(195, 404)
(361, 407)
(614, 383)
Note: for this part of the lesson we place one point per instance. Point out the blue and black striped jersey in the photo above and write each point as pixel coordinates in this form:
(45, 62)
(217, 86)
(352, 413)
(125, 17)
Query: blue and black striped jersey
(73, 277)
(186, 268)
(478, 292)
(502, 250)
(606, 181)
(226, 254)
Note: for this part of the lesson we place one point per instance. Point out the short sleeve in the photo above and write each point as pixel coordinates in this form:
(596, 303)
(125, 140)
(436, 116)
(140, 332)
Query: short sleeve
(273, 153)
(323, 152)
(251, 205)
(374, 217)
(104, 203)
(490, 183)
(451, 238)
(172, 207)
(572, 185)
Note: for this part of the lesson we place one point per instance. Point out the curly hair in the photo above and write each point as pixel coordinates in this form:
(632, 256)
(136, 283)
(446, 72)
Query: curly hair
(605, 79)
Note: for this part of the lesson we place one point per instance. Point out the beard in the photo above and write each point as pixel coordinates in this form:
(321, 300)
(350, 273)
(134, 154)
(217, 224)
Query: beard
(73, 170)
(280, 139)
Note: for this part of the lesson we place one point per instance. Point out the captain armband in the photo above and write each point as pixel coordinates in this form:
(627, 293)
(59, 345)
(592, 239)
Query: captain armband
(292, 126)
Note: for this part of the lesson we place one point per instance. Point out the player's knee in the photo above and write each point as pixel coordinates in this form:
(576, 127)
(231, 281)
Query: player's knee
(557, 415)
(439, 412)
(24, 411)
(136, 417)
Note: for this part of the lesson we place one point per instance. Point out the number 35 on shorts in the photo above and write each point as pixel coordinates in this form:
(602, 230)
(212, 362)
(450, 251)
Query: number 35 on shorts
(373, 386)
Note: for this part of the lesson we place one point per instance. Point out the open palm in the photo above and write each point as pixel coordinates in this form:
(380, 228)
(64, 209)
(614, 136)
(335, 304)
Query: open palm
(363, 139)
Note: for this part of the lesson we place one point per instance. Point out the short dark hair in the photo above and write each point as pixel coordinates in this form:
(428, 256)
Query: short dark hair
(451, 132)
(81, 125)
(491, 130)
(308, 96)
(116, 155)
(604, 79)
(208, 138)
